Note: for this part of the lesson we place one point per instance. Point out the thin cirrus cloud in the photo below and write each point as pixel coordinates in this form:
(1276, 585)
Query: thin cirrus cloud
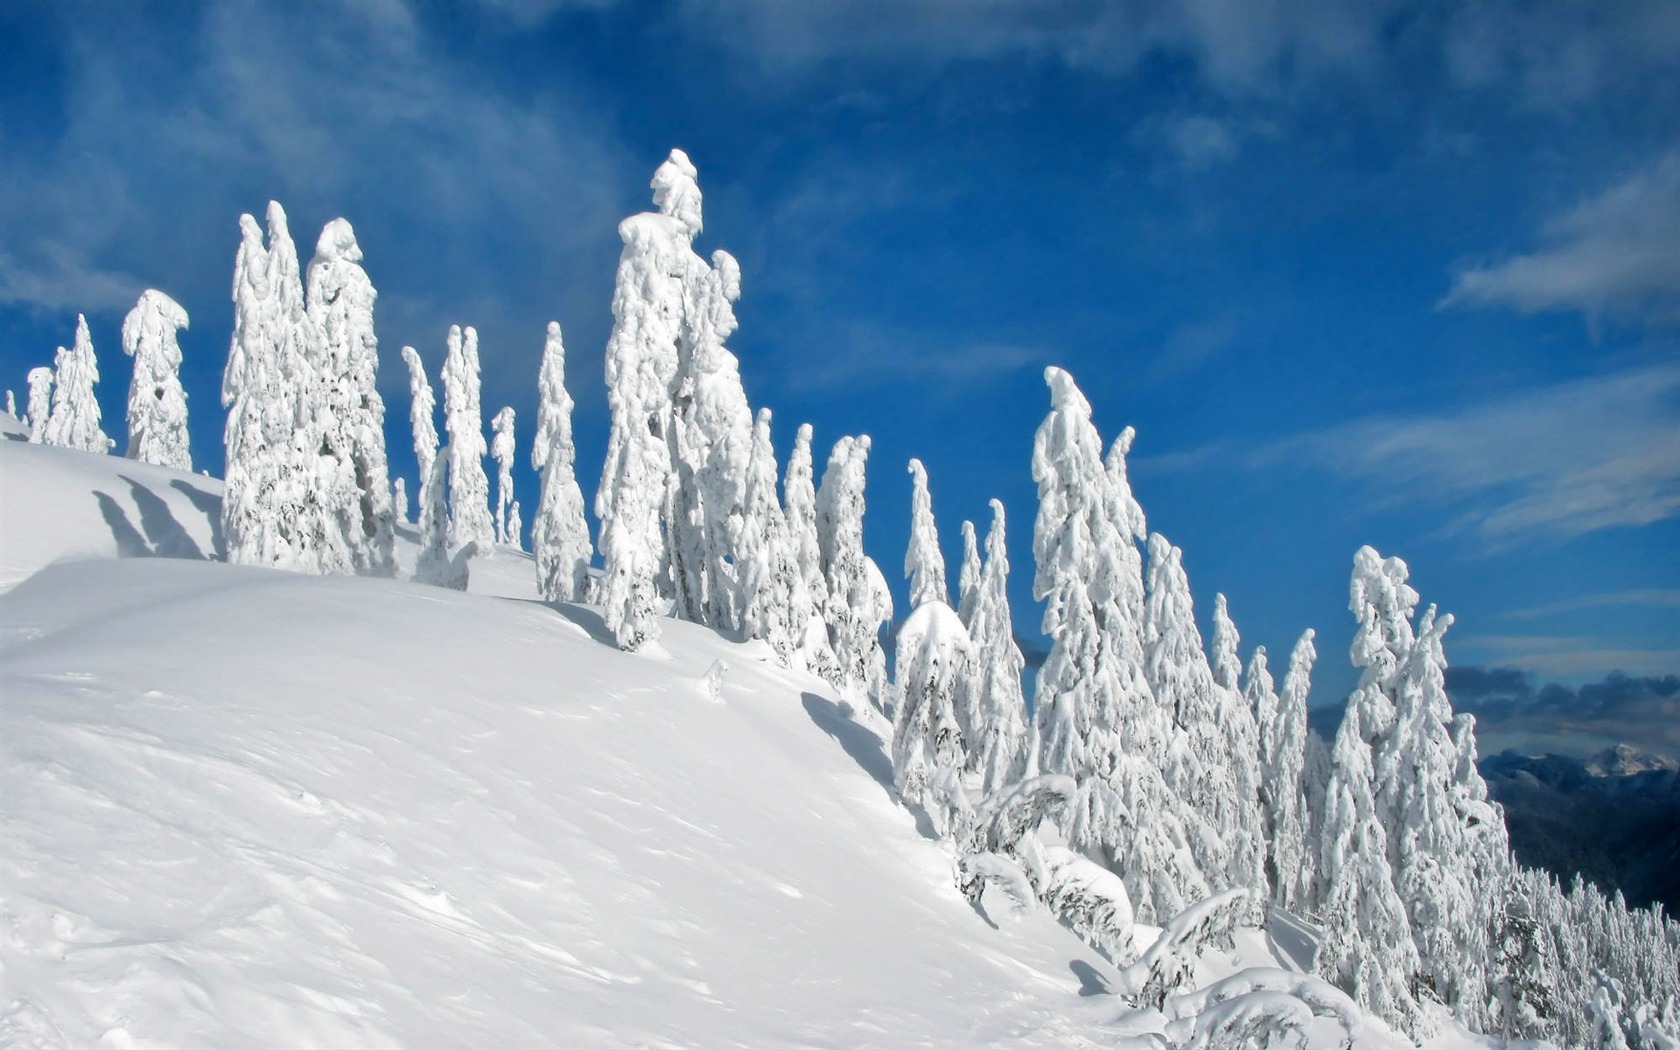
(1545, 464)
(1617, 254)
(1655, 597)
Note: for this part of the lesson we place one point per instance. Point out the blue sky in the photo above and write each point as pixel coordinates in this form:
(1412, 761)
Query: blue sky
(1387, 273)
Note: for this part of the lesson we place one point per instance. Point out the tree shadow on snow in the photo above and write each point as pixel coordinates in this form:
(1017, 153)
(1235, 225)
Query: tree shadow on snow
(858, 742)
(211, 507)
(168, 538)
(588, 619)
(1090, 981)
(130, 544)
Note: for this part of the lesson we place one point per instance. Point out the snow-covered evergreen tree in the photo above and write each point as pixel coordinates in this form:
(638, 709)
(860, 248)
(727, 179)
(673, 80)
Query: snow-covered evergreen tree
(435, 564)
(1283, 787)
(1226, 665)
(157, 405)
(281, 489)
(991, 708)
(40, 402)
(346, 405)
(399, 500)
(927, 745)
(463, 420)
(516, 528)
(636, 487)
(771, 583)
(74, 420)
(1219, 775)
(924, 565)
(805, 613)
(1097, 720)
(968, 579)
(559, 534)
(501, 450)
(422, 415)
(1367, 948)
(858, 602)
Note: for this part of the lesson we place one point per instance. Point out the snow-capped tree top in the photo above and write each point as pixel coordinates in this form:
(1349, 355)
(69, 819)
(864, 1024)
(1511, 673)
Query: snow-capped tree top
(968, 578)
(924, 564)
(728, 272)
(677, 194)
(1382, 602)
(1226, 666)
(1126, 511)
(1298, 679)
(554, 403)
(935, 627)
(155, 317)
(285, 272)
(338, 242)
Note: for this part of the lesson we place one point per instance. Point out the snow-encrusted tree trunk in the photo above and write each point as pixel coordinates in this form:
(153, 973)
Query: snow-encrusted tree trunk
(74, 420)
(928, 749)
(858, 602)
(1284, 783)
(637, 488)
(1097, 719)
(40, 402)
(501, 450)
(422, 409)
(348, 408)
(463, 420)
(991, 707)
(559, 534)
(968, 578)
(924, 565)
(157, 405)
(435, 565)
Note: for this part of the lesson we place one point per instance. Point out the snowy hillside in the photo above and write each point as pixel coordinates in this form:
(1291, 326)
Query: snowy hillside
(243, 806)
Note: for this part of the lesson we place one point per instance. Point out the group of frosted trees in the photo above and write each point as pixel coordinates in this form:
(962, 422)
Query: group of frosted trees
(62, 409)
(1153, 779)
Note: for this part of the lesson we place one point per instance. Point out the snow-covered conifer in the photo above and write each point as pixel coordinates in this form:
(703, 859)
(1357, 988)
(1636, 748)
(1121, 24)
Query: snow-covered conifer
(435, 566)
(1226, 665)
(469, 489)
(347, 407)
(559, 534)
(40, 402)
(768, 568)
(808, 603)
(1367, 947)
(74, 421)
(968, 579)
(515, 527)
(928, 748)
(1092, 693)
(649, 308)
(924, 565)
(157, 405)
(501, 450)
(422, 408)
(399, 500)
(858, 603)
(991, 709)
(1219, 777)
(11, 407)
(1284, 793)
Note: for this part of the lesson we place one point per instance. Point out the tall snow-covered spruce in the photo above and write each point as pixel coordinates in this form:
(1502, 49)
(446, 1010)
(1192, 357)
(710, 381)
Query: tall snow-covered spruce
(559, 533)
(501, 450)
(924, 565)
(1097, 719)
(349, 412)
(927, 744)
(463, 420)
(157, 405)
(991, 708)
(40, 402)
(642, 360)
(1290, 857)
(74, 419)
(772, 587)
(858, 602)
(422, 413)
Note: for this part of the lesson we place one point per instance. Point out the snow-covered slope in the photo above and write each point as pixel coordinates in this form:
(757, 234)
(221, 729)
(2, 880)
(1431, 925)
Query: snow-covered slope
(240, 806)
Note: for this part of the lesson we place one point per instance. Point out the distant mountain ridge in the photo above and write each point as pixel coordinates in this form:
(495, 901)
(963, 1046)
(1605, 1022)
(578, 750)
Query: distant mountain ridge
(1613, 818)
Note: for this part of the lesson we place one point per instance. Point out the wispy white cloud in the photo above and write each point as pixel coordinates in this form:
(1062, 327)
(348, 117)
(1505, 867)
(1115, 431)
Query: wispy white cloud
(1662, 598)
(1543, 464)
(1618, 253)
(1568, 656)
(864, 355)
